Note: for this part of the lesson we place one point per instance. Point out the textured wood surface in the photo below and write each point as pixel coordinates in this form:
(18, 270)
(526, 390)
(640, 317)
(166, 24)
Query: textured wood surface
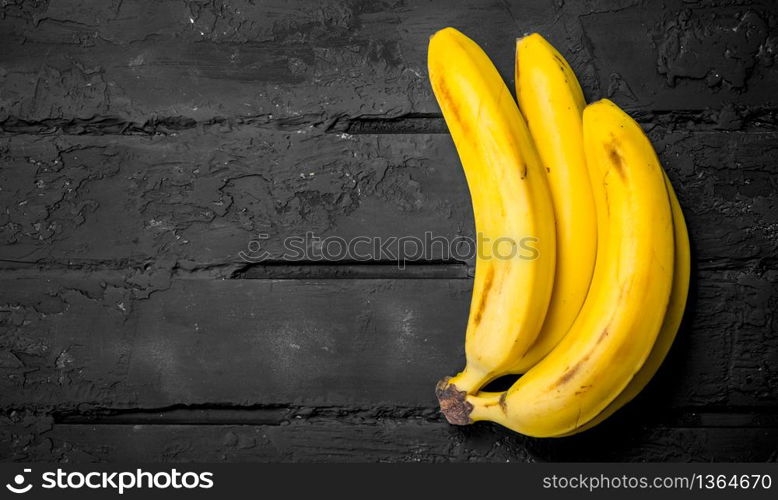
(145, 145)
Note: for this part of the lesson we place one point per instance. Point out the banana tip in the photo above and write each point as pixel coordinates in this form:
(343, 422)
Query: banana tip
(453, 403)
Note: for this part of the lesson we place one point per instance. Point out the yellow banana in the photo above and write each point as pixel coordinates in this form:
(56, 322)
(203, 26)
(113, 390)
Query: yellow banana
(511, 205)
(625, 307)
(672, 321)
(552, 101)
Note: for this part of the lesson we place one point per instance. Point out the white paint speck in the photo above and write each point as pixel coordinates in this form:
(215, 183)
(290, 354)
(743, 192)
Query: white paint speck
(136, 61)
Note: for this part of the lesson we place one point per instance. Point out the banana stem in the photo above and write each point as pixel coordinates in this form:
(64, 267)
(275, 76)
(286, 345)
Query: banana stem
(487, 406)
(469, 380)
(452, 393)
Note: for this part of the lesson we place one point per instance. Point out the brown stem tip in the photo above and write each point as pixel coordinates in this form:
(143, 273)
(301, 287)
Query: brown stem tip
(453, 404)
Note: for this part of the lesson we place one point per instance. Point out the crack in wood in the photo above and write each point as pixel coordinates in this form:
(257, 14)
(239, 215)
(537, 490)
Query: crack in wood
(350, 270)
(227, 414)
(728, 118)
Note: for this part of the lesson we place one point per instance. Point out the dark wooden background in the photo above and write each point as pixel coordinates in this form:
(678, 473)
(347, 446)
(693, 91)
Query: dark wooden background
(145, 145)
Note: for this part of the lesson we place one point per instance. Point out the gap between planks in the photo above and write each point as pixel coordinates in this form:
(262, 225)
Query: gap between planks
(754, 119)
(372, 270)
(282, 414)
(270, 270)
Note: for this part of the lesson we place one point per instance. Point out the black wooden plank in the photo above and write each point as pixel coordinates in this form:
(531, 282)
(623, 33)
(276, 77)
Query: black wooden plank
(182, 62)
(115, 340)
(409, 440)
(682, 56)
(197, 201)
(98, 341)
(202, 199)
(727, 185)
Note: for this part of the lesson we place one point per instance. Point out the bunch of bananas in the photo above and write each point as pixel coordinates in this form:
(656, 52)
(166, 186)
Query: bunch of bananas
(590, 317)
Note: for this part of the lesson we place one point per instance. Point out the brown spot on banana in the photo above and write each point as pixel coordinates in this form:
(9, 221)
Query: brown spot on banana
(503, 403)
(488, 282)
(617, 161)
(568, 375)
(607, 200)
(570, 372)
(448, 104)
(582, 389)
(561, 63)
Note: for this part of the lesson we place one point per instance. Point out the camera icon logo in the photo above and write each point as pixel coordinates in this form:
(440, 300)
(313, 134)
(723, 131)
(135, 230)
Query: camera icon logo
(19, 480)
